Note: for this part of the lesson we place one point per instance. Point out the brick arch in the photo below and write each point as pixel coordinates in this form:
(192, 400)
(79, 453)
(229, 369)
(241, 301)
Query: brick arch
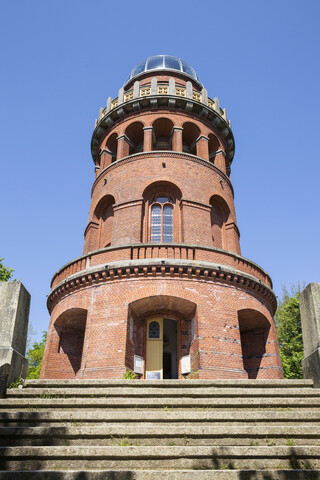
(254, 329)
(150, 305)
(149, 195)
(135, 134)
(64, 348)
(190, 134)
(220, 214)
(180, 309)
(111, 144)
(162, 133)
(213, 145)
(103, 217)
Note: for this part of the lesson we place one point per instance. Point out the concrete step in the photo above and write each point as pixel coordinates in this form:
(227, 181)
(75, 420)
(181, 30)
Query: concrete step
(165, 416)
(149, 434)
(163, 475)
(171, 457)
(51, 402)
(221, 429)
(181, 384)
(141, 392)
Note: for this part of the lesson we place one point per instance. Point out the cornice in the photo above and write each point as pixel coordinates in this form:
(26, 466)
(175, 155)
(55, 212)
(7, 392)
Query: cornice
(154, 102)
(160, 268)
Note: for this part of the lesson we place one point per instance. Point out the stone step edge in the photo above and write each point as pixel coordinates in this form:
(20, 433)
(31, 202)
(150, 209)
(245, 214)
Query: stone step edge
(167, 416)
(161, 431)
(162, 392)
(245, 383)
(161, 475)
(165, 402)
(161, 452)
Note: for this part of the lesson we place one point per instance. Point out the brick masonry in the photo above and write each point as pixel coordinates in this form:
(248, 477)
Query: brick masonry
(100, 302)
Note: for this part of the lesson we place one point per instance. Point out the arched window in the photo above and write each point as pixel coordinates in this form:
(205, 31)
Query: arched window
(190, 135)
(154, 330)
(162, 134)
(213, 146)
(220, 213)
(161, 219)
(135, 134)
(161, 213)
(104, 216)
(112, 146)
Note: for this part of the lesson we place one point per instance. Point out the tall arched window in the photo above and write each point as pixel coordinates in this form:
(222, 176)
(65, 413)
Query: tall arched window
(162, 219)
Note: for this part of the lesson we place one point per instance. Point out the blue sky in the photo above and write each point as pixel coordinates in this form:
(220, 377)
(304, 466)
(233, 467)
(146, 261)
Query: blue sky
(62, 59)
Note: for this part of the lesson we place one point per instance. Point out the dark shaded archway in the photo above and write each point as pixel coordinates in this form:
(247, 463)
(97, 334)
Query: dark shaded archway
(70, 327)
(254, 331)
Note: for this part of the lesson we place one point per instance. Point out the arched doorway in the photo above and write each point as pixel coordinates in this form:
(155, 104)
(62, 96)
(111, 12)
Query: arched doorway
(162, 348)
(162, 334)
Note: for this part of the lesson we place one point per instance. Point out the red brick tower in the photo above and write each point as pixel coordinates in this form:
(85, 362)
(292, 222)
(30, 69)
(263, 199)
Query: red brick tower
(161, 287)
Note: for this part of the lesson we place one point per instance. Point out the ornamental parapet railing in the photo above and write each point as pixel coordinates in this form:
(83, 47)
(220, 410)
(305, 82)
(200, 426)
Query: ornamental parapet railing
(163, 88)
(194, 253)
(157, 95)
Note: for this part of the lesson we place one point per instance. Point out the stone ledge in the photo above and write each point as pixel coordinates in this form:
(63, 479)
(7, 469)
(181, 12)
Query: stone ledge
(159, 268)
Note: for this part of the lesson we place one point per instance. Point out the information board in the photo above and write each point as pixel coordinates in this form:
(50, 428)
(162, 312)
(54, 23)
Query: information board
(138, 364)
(185, 364)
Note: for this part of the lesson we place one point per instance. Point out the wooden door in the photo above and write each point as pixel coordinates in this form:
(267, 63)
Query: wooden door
(154, 350)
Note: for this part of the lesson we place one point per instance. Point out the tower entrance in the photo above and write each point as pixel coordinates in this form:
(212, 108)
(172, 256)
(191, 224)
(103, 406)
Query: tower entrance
(161, 349)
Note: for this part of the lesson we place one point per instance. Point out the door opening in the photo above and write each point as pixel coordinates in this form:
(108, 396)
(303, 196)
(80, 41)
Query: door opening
(161, 349)
(170, 360)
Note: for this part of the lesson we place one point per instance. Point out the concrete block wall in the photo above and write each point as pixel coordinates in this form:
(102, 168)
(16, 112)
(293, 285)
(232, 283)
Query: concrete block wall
(14, 316)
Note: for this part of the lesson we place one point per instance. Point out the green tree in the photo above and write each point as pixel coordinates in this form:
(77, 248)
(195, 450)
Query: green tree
(289, 332)
(34, 356)
(5, 272)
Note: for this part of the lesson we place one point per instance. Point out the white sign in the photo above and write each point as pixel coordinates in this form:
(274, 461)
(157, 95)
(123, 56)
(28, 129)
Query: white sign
(185, 364)
(153, 375)
(138, 364)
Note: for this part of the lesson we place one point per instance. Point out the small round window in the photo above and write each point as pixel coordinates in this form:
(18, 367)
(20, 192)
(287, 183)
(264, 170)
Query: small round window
(154, 330)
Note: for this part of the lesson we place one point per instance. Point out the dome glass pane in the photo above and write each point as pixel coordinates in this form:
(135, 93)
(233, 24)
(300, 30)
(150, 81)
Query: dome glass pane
(172, 62)
(187, 69)
(139, 68)
(155, 62)
(163, 62)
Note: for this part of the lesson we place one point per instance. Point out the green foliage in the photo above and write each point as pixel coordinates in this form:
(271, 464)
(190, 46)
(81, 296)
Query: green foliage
(34, 356)
(129, 375)
(5, 273)
(289, 331)
(16, 383)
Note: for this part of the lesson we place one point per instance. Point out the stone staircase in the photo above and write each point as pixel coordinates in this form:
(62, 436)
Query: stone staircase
(177, 429)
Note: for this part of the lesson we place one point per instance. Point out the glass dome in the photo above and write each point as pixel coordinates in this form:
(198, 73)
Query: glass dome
(163, 62)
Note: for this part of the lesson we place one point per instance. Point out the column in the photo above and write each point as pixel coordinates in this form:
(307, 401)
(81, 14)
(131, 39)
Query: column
(123, 146)
(220, 161)
(105, 158)
(147, 139)
(203, 147)
(177, 139)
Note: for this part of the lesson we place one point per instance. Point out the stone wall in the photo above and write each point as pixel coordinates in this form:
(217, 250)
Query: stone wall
(310, 320)
(14, 315)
